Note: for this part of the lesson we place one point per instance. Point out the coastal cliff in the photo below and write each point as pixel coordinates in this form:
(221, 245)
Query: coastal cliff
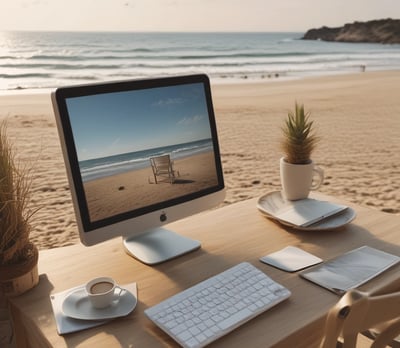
(385, 31)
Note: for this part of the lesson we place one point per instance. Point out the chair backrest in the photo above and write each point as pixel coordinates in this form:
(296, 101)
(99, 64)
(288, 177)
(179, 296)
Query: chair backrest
(162, 166)
(163, 161)
(357, 312)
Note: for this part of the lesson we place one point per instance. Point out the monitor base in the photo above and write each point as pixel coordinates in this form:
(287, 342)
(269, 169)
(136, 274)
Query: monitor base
(158, 245)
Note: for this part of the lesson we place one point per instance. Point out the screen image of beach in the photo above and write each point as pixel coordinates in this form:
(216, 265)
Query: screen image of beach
(116, 135)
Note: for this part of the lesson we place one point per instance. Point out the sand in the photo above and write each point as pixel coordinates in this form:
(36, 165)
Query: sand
(136, 189)
(357, 117)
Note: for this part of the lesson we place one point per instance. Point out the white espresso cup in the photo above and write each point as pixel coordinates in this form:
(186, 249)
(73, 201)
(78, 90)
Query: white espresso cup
(103, 291)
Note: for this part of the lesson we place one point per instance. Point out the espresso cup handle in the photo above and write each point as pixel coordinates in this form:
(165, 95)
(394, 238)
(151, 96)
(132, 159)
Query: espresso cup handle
(316, 184)
(118, 291)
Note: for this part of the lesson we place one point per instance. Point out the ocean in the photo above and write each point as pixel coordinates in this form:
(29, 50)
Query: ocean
(31, 60)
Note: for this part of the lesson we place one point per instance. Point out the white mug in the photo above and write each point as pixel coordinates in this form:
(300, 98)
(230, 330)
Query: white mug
(103, 291)
(298, 179)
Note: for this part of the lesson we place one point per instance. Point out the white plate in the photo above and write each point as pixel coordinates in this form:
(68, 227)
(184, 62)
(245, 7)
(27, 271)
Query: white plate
(77, 305)
(272, 202)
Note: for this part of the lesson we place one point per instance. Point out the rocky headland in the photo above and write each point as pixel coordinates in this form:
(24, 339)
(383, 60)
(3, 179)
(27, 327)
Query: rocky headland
(386, 31)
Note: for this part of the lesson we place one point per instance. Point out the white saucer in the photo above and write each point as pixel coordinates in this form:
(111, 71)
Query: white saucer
(77, 305)
(272, 202)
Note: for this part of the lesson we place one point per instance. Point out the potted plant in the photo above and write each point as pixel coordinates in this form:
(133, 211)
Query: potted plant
(18, 255)
(296, 167)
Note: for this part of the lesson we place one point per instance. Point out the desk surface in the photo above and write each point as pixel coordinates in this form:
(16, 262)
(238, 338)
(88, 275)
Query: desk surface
(229, 235)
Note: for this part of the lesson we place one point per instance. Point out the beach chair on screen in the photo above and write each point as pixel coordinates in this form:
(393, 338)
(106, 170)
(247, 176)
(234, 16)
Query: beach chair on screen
(374, 316)
(163, 170)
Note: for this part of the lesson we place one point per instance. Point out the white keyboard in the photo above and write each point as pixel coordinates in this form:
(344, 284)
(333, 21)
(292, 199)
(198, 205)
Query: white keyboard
(199, 315)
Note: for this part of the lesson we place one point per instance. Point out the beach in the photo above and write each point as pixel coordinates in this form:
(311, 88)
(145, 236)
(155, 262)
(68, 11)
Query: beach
(357, 117)
(136, 189)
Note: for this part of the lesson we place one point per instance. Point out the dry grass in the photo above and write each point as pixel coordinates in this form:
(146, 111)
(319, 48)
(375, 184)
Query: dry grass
(15, 215)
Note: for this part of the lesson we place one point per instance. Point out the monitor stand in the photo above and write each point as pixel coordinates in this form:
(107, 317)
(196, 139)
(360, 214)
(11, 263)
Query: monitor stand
(158, 245)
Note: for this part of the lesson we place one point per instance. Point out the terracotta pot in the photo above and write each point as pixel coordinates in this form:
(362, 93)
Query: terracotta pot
(15, 279)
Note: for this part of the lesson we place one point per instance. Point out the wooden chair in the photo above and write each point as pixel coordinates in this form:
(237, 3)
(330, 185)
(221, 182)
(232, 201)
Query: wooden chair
(162, 166)
(377, 316)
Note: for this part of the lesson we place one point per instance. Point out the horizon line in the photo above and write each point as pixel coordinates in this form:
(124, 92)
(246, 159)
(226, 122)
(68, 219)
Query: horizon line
(152, 31)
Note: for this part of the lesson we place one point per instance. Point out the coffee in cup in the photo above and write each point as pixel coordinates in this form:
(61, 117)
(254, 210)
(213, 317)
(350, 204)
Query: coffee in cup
(101, 287)
(103, 291)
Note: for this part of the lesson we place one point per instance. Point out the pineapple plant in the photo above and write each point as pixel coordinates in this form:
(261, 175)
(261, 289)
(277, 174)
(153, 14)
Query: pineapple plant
(299, 139)
(297, 169)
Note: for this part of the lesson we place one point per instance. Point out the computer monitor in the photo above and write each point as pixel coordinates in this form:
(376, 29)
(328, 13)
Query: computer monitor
(140, 154)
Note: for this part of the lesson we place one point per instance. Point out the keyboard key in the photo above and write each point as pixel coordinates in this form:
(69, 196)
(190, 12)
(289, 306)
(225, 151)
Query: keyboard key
(235, 319)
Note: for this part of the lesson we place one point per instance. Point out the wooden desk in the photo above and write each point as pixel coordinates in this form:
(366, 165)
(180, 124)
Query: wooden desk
(229, 235)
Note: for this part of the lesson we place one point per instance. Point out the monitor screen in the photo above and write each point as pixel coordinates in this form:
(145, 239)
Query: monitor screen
(140, 154)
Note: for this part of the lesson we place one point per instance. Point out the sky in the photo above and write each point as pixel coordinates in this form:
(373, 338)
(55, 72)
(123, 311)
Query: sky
(189, 15)
(117, 123)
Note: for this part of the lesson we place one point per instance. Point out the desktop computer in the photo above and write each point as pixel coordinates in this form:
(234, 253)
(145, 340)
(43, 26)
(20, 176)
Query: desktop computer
(140, 154)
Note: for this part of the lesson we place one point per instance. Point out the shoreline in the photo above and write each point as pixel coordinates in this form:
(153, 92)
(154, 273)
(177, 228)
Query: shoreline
(356, 116)
(245, 79)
